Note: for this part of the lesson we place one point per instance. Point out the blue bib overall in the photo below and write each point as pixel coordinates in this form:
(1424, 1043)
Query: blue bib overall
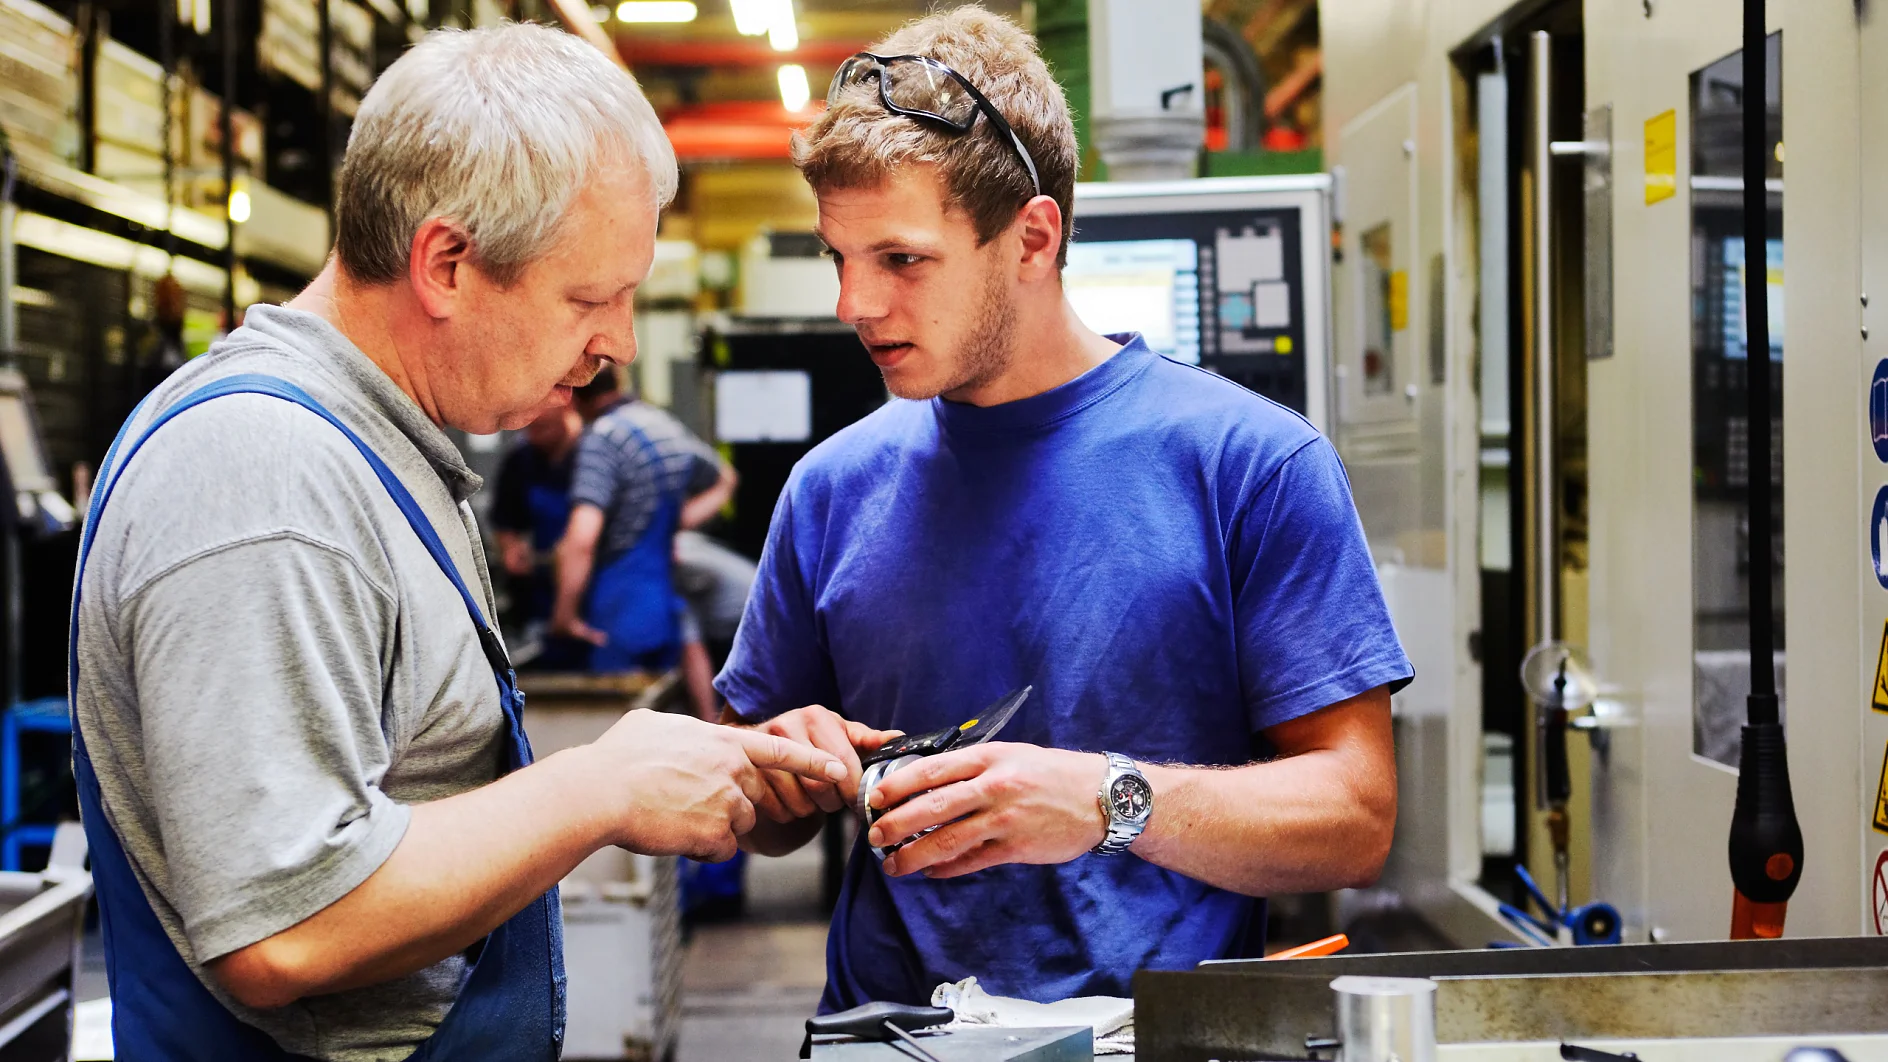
(633, 599)
(512, 1003)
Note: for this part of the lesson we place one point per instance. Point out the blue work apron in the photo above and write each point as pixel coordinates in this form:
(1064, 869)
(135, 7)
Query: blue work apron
(511, 1005)
(632, 598)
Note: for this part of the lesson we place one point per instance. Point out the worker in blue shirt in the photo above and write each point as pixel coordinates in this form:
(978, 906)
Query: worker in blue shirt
(1174, 563)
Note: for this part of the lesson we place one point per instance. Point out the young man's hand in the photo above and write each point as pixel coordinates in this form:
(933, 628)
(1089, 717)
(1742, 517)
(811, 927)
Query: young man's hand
(999, 802)
(792, 796)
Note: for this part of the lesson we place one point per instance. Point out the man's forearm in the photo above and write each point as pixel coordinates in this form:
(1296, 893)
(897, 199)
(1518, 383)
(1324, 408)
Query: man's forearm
(574, 563)
(702, 507)
(465, 865)
(1306, 823)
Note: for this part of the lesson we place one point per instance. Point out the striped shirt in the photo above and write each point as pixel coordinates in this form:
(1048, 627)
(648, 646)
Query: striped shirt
(629, 461)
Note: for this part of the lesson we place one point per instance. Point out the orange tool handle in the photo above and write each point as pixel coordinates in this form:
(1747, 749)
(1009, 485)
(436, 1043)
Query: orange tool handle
(1327, 946)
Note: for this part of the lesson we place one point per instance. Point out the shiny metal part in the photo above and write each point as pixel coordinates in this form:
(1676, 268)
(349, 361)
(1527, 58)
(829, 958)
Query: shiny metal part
(1248, 1010)
(1386, 1019)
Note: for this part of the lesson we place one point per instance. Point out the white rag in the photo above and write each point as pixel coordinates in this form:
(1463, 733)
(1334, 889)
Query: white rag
(1111, 1017)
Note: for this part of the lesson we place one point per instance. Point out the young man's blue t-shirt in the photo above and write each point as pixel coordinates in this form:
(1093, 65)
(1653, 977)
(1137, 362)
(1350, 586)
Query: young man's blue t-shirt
(1172, 561)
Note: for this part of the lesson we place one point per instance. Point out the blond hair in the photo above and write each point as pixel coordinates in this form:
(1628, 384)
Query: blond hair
(496, 129)
(858, 143)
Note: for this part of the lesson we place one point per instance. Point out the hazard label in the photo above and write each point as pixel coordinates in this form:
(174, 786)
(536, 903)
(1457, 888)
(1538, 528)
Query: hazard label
(1880, 699)
(1879, 894)
(1881, 796)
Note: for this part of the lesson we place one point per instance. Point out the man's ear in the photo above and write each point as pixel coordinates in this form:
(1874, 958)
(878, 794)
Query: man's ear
(1040, 225)
(436, 265)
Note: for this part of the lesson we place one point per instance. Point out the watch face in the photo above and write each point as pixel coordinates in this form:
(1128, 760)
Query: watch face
(1130, 797)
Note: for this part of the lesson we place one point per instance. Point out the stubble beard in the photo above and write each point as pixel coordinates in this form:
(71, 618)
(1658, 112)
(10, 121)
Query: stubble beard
(986, 352)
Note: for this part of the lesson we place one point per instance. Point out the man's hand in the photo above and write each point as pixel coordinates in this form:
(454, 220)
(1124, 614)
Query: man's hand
(572, 627)
(675, 785)
(514, 553)
(789, 796)
(999, 802)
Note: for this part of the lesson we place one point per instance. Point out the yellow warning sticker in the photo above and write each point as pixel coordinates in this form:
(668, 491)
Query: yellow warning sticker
(1881, 796)
(1879, 699)
(1661, 157)
(1399, 300)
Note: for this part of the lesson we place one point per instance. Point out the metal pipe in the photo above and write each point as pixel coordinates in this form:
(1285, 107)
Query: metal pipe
(1546, 560)
(1491, 201)
(325, 108)
(226, 125)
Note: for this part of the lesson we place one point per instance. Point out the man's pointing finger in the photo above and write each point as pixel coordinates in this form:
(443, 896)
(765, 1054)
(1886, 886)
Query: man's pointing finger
(769, 752)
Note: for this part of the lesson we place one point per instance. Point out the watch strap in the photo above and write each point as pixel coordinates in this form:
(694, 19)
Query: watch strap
(1121, 832)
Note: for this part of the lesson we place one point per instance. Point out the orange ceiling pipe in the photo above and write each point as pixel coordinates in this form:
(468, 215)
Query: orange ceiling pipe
(640, 51)
(734, 130)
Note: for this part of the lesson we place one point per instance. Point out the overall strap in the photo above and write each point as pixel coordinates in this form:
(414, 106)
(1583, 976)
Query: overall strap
(258, 384)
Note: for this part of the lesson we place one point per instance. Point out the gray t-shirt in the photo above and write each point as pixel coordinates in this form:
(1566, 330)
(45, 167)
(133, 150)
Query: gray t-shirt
(272, 668)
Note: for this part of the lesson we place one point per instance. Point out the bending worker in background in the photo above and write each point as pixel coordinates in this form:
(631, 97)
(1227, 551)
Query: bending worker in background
(1172, 561)
(316, 828)
(640, 477)
(530, 509)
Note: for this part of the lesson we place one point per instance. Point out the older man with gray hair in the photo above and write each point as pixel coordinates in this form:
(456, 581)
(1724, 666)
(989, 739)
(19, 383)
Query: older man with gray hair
(317, 831)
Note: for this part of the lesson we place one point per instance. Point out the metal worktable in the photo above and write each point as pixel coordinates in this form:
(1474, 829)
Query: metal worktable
(1790, 988)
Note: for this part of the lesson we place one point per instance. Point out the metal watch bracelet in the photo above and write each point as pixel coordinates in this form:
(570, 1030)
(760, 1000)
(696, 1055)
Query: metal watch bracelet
(1127, 801)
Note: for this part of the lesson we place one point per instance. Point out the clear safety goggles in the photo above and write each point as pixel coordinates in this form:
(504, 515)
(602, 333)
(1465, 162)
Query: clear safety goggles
(918, 86)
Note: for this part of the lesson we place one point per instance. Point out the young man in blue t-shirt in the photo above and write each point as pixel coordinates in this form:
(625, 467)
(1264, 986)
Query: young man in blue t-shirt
(1173, 562)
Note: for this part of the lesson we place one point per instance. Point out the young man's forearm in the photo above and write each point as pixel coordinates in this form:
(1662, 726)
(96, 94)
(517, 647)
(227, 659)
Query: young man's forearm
(1271, 828)
(465, 865)
(1321, 817)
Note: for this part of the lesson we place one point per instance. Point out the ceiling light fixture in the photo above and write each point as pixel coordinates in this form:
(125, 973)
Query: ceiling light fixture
(775, 18)
(784, 35)
(655, 11)
(794, 92)
(751, 17)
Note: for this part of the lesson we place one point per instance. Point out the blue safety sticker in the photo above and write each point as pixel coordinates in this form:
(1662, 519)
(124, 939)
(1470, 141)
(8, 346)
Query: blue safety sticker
(1878, 410)
(1877, 531)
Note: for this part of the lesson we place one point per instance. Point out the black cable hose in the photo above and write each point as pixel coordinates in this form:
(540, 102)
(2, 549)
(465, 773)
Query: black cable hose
(1766, 842)
(1762, 498)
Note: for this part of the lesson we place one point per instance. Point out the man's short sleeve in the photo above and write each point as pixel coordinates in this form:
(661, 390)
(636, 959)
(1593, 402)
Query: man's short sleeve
(704, 468)
(779, 661)
(1312, 626)
(253, 843)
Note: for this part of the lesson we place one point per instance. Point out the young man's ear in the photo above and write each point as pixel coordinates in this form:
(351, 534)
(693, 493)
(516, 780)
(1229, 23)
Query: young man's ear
(1041, 227)
(435, 265)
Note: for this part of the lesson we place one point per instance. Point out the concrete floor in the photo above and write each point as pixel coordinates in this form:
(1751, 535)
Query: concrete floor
(749, 986)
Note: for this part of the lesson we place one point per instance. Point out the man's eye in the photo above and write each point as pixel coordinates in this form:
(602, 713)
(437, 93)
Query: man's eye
(904, 259)
(589, 304)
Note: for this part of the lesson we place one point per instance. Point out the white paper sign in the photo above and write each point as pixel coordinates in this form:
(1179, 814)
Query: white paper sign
(763, 406)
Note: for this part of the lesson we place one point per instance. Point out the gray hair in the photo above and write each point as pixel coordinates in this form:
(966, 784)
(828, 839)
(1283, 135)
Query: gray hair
(496, 129)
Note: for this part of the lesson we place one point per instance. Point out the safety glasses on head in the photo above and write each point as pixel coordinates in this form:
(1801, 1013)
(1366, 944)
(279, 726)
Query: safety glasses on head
(918, 86)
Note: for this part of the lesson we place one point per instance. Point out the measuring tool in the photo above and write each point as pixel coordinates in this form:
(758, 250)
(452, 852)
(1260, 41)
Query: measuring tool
(900, 753)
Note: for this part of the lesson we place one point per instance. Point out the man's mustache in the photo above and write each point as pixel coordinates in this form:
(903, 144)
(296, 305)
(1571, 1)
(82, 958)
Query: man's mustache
(589, 370)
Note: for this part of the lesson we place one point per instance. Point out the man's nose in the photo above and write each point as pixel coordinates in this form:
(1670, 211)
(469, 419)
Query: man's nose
(861, 299)
(616, 340)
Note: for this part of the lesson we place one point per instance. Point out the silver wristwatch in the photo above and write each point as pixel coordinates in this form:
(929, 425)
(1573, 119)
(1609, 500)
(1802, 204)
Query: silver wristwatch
(1126, 801)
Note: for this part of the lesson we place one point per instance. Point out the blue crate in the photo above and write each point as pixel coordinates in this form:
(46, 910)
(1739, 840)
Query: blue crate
(47, 715)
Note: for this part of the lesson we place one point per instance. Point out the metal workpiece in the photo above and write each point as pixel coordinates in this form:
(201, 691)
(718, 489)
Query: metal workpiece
(974, 1044)
(1242, 1010)
(1386, 1019)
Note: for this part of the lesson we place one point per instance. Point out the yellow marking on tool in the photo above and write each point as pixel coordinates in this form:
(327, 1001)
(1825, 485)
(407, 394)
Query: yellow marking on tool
(970, 724)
